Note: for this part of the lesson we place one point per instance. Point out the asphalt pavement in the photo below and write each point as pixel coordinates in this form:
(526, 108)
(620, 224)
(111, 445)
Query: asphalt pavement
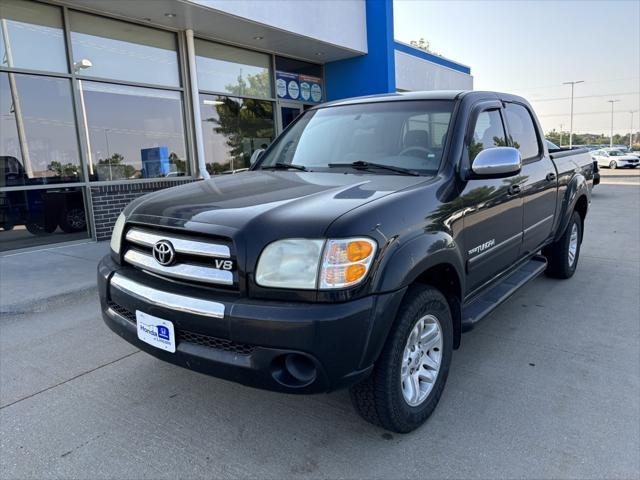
(548, 386)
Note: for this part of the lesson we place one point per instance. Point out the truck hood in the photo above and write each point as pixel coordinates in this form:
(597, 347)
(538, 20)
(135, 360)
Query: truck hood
(258, 200)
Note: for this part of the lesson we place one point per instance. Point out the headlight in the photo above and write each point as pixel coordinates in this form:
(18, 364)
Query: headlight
(291, 263)
(309, 264)
(116, 235)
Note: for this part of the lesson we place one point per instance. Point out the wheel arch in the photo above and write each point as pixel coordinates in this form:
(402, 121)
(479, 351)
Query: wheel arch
(576, 198)
(444, 278)
(440, 267)
(581, 206)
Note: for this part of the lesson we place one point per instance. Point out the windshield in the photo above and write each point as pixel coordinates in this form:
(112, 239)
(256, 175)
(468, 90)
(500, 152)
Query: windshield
(403, 135)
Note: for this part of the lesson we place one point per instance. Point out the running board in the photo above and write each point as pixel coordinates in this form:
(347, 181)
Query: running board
(483, 305)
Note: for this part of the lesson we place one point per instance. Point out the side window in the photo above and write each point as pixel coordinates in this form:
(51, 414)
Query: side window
(522, 132)
(488, 132)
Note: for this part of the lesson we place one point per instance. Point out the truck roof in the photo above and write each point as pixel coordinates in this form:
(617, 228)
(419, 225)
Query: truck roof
(424, 95)
(391, 97)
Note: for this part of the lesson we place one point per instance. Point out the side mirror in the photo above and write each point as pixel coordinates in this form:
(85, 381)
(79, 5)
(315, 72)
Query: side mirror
(255, 156)
(496, 162)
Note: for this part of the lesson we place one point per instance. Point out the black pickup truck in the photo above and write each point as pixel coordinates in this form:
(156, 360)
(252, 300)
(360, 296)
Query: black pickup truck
(354, 252)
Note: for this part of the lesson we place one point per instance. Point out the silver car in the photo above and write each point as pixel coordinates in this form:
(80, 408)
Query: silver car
(614, 158)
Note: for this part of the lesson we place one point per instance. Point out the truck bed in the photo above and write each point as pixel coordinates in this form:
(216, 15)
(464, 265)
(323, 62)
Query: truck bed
(567, 159)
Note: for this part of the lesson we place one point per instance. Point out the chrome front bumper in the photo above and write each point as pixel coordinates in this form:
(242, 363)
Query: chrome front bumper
(164, 299)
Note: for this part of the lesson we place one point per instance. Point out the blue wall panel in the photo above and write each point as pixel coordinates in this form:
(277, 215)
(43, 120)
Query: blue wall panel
(372, 73)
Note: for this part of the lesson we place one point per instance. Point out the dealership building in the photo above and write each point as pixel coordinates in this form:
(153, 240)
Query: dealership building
(104, 101)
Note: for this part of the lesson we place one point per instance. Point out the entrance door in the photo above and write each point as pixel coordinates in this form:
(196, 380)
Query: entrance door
(288, 113)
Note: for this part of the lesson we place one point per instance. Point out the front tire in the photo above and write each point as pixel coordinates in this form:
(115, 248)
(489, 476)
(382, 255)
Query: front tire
(73, 220)
(613, 165)
(563, 254)
(409, 377)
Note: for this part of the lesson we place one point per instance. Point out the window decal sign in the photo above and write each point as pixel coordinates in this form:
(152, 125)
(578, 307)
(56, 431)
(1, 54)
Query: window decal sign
(292, 86)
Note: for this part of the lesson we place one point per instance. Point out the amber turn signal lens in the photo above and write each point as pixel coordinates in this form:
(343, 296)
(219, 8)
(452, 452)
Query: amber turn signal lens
(354, 272)
(358, 250)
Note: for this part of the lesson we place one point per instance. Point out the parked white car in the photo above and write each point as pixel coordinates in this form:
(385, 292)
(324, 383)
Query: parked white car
(614, 158)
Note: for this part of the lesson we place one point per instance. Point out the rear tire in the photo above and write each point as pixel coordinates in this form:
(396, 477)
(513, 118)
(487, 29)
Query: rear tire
(563, 255)
(613, 165)
(37, 228)
(386, 398)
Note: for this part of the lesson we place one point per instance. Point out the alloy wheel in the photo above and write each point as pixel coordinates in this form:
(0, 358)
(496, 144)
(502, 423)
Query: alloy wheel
(421, 360)
(573, 245)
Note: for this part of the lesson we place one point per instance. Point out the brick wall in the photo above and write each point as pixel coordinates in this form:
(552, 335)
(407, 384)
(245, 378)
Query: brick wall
(109, 200)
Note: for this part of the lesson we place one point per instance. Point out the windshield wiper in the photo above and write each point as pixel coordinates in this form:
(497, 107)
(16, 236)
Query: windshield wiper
(284, 166)
(360, 165)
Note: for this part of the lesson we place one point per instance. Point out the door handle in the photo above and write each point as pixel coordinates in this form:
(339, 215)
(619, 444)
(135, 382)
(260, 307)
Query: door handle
(551, 177)
(514, 190)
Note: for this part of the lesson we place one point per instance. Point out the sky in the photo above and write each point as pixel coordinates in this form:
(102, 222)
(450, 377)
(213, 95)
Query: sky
(530, 48)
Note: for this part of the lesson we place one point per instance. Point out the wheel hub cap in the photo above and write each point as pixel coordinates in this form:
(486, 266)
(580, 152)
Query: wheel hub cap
(421, 360)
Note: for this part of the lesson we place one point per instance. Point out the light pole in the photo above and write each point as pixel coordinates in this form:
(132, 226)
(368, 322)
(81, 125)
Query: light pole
(573, 84)
(77, 66)
(611, 136)
(631, 130)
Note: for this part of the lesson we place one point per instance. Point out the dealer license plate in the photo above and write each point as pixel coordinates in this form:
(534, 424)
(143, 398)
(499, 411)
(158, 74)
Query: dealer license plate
(156, 331)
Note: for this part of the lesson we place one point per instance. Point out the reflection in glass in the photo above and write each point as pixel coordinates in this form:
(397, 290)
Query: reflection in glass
(393, 134)
(134, 132)
(487, 133)
(233, 128)
(291, 65)
(38, 141)
(113, 49)
(522, 133)
(222, 68)
(32, 36)
(38, 217)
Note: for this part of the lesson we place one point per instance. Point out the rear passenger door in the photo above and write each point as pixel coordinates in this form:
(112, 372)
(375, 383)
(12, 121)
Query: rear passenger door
(538, 182)
(493, 209)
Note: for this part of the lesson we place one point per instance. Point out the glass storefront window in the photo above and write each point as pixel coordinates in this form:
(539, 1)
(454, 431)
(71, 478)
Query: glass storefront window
(134, 132)
(32, 36)
(38, 217)
(240, 72)
(233, 128)
(300, 67)
(108, 48)
(38, 139)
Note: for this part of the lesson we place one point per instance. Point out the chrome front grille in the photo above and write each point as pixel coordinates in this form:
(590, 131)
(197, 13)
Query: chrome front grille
(194, 257)
(182, 244)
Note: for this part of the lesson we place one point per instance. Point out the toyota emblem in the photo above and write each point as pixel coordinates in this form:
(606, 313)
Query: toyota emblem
(164, 253)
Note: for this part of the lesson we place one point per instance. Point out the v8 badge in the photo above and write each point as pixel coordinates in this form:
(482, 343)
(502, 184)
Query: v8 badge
(223, 264)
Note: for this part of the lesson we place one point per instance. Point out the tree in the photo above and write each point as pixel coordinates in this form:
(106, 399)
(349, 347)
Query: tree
(117, 160)
(181, 165)
(423, 44)
(587, 138)
(242, 121)
(258, 85)
(66, 170)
